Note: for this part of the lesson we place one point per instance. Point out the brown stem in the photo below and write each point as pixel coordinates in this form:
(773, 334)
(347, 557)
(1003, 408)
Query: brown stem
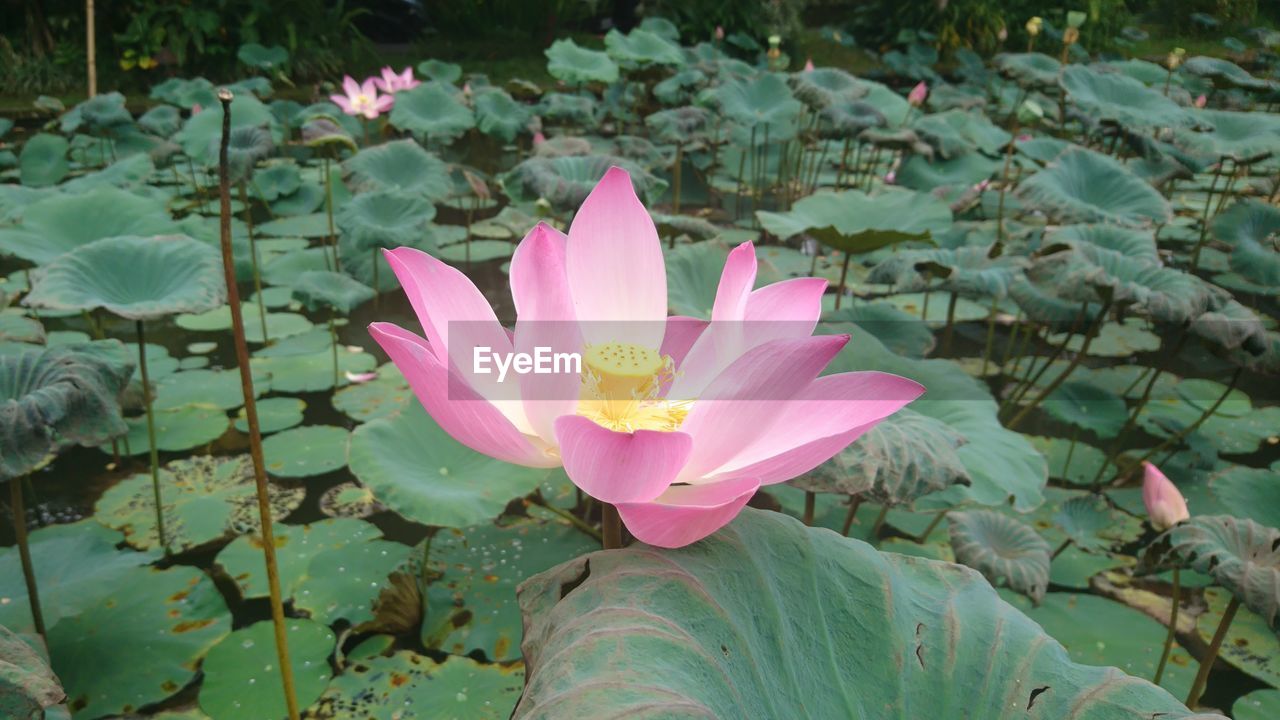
(1059, 550)
(1075, 362)
(810, 502)
(251, 415)
(253, 259)
(844, 273)
(1206, 663)
(951, 322)
(610, 527)
(24, 551)
(879, 523)
(854, 503)
(928, 530)
(1173, 630)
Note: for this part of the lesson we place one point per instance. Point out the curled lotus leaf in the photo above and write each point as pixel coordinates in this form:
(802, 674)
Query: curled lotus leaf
(965, 171)
(1085, 186)
(43, 160)
(433, 113)
(683, 86)
(906, 456)
(138, 278)
(911, 619)
(246, 145)
(1046, 308)
(498, 114)
(897, 139)
(573, 64)
(1243, 137)
(161, 120)
(1029, 69)
(384, 219)
(1252, 229)
(679, 125)
(855, 222)
(970, 271)
(821, 87)
(1231, 325)
(765, 100)
(566, 181)
(55, 397)
(1133, 242)
(1121, 99)
(440, 71)
(399, 165)
(847, 119)
(642, 49)
(957, 132)
(103, 114)
(580, 110)
(1223, 72)
(185, 92)
(1241, 555)
(1004, 550)
(27, 683)
(1162, 293)
(55, 224)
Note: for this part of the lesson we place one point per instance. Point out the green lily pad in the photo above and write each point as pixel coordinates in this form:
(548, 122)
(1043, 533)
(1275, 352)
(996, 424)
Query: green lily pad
(1257, 705)
(323, 288)
(349, 500)
(1119, 98)
(399, 165)
(642, 48)
(242, 679)
(1084, 405)
(1251, 493)
(314, 225)
(431, 113)
(418, 471)
(43, 162)
(575, 65)
(177, 429)
(306, 451)
(303, 368)
(220, 388)
(1085, 186)
(274, 414)
(1076, 466)
(262, 57)
(55, 224)
(409, 686)
(471, 605)
(205, 500)
(1250, 644)
(440, 70)
(1002, 549)
(383, 219)
(383, 396)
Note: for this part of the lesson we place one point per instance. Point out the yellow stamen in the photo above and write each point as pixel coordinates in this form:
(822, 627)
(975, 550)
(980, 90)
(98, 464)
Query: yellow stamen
(621, 383)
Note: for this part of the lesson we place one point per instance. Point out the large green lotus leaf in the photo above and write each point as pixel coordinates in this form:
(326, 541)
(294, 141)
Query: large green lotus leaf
(741, 613)
(693, 274)
(1097, 631)
(1029, 69)
(1004, 550)
(1242, 136)
(200, 134)
(1136, 243)
(471, 604)
(384, 219)
(1085, 186)
(161, 120)
(277, 180)
(106, 666)
(764, 101)
(27, 683)
(16, 327)
(1121, 99)
(576, 110)
(854, 222)
(100, 115)
(1224, 72)
(186, 92)
(1250, 644)
(399, 165)
(1251, 493)
(419, 472)
(1088, 521)
(43, 161)
(919, 173)
(205, 500)
(306, 451)
(246, 145)
(906, 456)
(409, 686)
(970, 271)
(139, 278)
(1241, 555)
(318, 289)
(1001, 463)
(280, 325)
(1085, 405)
(242, 672)
(566, 181)
(1160, 292)
(178, 429)
(1257, 705)
(274, 414)
(360, 261)
(641, 48)
(440, 71)
(56, 397)
(1252, 229)
(431, 113)
(312, 225)
(499, 115)
(262, 57)
(898, 330)
(56, 224)
(679, 125)
(956, 132)
(575, 65)
(207, 387)
(128, 173)
(296, 547)
(823, 87)
(1231, 325)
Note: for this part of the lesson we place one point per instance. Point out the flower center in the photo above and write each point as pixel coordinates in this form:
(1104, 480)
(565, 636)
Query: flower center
(621, 386)
(362, 101)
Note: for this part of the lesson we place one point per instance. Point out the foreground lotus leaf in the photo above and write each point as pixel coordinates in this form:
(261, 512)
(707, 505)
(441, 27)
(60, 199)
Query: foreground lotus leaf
(899, 632)
(56, 397)
(43, 161)
(410, 686)
(1085, 186)
(1160, 292)
(139, 278)
(641, 48)
(325, 289)
(242, 676)
(55, 224)
(1241, 555)
(27, 684)
(823, 87)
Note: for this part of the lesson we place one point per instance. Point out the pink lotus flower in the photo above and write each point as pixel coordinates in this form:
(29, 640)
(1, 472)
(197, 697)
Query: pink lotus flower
(392, 83)
(1201, 101)
(1165, 505)
(719, 33)
(362, 99)
(808, 65)
(890, 177)
(539, 138)
(676, 421)
(195, 108)
(918, 94)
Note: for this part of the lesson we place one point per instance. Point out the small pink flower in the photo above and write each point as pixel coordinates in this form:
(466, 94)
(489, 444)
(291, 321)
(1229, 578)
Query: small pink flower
(195, 109)
(808, 65)
(539, 138)
(362, 98)
(392, 83)
(890, 177)
(1165, 505)
(358, 378)
(1201, 101)
(1024, 137)
(982, 185)
(719, 32)
(918, 94)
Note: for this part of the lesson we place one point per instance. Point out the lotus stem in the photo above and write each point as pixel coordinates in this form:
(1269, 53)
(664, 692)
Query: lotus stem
(1204, 220)
(844, 273)
(572, 519)
(253, 260)
(151, 435)
(1071, 449)
(675, 180)
(251, 414)
(879, 523)
(810, 503)
(991, 336)
(1206, 663)
(1138, 408)
(1178, 436)
(377, 291)
(1173, 629)
(1075, 362)
(855, 501)
(951, 322)
(1031, 380)
(333, 345)
(24, 552)
(1004, 183)
(1013, 339)
(933, 524)
(328, 210)
(1059, 550)
(844, 163)
(610, 527)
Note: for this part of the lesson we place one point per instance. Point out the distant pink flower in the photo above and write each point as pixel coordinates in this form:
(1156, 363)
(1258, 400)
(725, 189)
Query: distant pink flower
(392, 83)
(719, 32)
(195, 108)
(1165, 505)
(918, 94)
(808, 65)
(675, 421)
(982, 185)
(1024, 137)
(358, 378)
(539, 138)
(1201, 100)
(362, 99)
(466, 89)
(890, 177)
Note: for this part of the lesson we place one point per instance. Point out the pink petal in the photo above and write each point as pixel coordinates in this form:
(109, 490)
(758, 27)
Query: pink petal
(350, 85)
(368, 87)
(687, 513)
(791, 301)
(342, 102)
(384, 103)
(824, 418)
(460, 411)
(615, 267)
(618, 467)
(682, 332)
(384, 85)
(742, 403)
(736, 281)
(545, 320)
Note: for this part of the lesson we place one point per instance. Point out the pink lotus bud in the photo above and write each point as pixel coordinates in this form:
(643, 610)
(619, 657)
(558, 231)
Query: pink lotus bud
(890, 177)
(1201, 101)
(539, 138)
(1165, 505)
(719, 32)
(1024, 137)
(808, 65)
(982, 185)
(918, 94)
(195, 109)
(357, 378)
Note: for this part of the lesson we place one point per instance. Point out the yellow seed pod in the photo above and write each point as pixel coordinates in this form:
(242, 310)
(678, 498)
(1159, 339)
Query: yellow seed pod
(1070, 36)
(1034, 25)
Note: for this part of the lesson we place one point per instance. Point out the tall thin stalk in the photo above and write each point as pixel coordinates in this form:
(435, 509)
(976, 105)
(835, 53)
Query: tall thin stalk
(1204, 220)
(610, 527)
(1075, 362)
(328, 210)
(24, 552)
(1132, 420)
(251, 415)
(1206, 663)
(253, 260)
(1173, 630)
(675, 179)
(810, 503)
(151, 435)
(855, 502)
